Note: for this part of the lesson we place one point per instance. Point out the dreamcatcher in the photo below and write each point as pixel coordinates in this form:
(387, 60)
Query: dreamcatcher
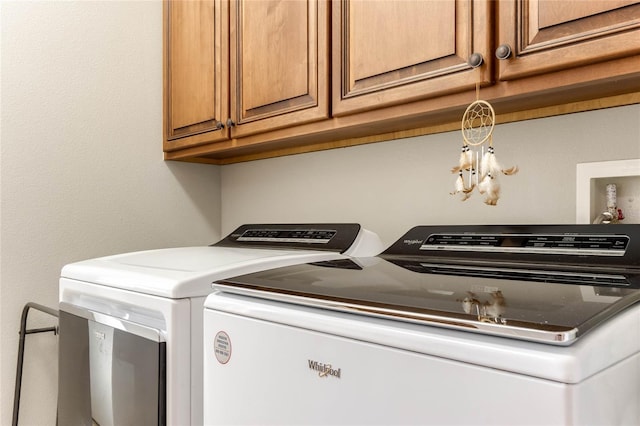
(478, 166)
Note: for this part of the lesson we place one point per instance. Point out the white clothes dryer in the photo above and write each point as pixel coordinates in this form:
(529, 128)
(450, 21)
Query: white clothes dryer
(131, 324)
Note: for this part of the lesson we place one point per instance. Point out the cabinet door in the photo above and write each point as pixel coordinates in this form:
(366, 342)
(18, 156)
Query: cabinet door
(391, 52)
(279, 64)
(196, 72)
(551, 35)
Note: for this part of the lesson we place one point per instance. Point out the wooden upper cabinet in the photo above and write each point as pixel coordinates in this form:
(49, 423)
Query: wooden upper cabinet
(279, 64)
(551, 35)
(250, 78)
(391, 52)
(196, 72)
(237, 68)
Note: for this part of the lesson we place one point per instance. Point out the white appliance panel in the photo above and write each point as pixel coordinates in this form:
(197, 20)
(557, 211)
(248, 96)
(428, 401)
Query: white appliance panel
(268, 378)
(612, 342)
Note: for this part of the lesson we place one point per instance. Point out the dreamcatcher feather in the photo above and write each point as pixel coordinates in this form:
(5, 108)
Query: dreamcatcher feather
(479, 166)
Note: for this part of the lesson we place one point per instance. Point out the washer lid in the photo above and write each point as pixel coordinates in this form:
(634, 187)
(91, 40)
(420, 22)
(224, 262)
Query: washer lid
(615, 341)
(549, 306)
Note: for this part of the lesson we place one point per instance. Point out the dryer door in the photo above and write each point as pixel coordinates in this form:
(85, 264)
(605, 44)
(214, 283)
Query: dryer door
(111, 371)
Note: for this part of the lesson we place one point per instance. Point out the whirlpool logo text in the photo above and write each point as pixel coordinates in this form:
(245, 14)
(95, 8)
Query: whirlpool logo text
(324, 370)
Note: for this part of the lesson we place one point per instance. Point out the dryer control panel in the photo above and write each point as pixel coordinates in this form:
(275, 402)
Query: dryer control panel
(336, 237)
(307, 236)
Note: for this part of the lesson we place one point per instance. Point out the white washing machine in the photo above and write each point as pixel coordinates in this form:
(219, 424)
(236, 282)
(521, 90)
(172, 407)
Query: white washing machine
(462, 325)
(131, 324)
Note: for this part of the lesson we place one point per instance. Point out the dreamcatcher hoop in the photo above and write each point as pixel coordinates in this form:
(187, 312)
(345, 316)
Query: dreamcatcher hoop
(477, 167)
(478, 122)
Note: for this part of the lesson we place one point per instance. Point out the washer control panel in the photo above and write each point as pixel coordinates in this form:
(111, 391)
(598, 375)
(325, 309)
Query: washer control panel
(578, 245)
(600, 244)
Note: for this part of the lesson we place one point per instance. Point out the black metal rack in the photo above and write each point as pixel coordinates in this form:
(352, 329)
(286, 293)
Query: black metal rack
(23, 335)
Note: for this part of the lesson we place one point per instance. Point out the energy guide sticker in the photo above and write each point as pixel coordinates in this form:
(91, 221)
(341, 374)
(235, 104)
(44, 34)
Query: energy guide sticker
(222, 347)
